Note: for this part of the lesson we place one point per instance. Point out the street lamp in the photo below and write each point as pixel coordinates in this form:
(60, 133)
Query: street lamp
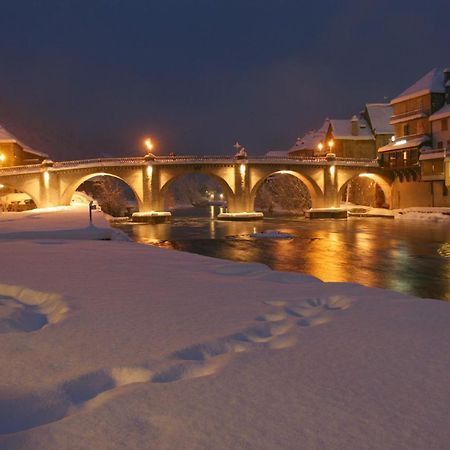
(149, 146)
(329, 144)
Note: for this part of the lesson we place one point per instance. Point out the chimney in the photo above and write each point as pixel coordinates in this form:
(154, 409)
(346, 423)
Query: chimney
(355, 126)
(447, 84)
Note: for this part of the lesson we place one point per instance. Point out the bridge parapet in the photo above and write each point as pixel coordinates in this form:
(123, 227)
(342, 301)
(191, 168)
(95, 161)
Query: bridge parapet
(51, 185)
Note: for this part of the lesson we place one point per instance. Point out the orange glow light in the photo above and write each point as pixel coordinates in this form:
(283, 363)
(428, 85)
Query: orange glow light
(330, 143)
(149, 144)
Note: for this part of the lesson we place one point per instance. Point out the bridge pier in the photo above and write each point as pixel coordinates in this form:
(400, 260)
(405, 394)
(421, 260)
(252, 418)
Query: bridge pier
(242, 208)
(330, 194)
(152, 204)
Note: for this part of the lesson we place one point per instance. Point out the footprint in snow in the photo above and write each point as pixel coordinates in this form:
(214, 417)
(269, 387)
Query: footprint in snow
(275, 330)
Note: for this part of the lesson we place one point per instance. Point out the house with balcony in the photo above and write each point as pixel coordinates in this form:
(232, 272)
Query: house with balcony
(411, 120)
(15, 153)
(416, 153)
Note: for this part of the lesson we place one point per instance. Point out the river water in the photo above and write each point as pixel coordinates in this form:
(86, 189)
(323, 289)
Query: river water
(407, 256)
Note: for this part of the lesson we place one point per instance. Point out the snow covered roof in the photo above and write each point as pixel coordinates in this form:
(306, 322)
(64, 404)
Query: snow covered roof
(311, 139)
(342, 129)
(432, 82)
(6, 137)
(379, 117)
(404, 143)
(441, 113)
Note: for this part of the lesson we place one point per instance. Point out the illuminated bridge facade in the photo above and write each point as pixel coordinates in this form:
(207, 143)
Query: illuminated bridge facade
(54, 183)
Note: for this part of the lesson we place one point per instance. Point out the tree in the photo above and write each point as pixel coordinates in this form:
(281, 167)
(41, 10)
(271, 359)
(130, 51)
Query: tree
(283, 192)
(109, 194)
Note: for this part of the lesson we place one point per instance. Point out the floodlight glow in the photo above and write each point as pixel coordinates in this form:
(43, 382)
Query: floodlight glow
(149, 144)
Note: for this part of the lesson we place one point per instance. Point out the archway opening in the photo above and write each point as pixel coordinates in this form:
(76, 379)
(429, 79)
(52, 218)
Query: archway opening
(195, 194)
(15, 200)
(365, 190)
(282, 193)
(110, 193)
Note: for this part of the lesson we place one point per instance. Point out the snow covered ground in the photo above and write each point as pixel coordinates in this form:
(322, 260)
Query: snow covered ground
(114, 345)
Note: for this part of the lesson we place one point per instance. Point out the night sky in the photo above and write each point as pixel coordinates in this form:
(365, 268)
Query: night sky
(91, 78)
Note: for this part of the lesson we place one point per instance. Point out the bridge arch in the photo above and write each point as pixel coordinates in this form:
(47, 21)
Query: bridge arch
(75, 184)
(5, 185)
(227, 190)
(383, 183)
(313, 188)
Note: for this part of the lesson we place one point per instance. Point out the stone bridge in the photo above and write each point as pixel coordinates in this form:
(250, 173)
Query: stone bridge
(54, 183)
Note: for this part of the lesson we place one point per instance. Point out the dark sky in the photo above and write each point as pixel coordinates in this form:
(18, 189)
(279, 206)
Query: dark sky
(91, 78)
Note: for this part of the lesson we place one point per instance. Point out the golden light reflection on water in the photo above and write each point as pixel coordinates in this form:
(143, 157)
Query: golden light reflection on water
(409, 259)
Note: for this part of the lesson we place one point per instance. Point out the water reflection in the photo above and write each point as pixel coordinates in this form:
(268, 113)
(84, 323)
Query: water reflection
(409, 257)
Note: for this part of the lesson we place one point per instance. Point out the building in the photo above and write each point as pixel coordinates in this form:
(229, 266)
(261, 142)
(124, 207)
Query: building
(15, 153)
(378, 116)
(411, 120)
(307, 145)
(350, 139)
(358, 137)
(417, 151)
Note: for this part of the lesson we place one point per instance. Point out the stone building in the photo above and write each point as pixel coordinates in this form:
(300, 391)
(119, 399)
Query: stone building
(15, 153)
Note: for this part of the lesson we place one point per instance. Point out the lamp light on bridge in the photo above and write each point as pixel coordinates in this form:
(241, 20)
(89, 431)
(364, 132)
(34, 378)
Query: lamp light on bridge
(330, 144)
(148, 143)
(320, 146)
(332, 171)
(242, 169)
(2, 157)
(46, 175)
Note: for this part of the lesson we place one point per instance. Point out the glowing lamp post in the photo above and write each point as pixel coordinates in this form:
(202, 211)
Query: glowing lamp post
(149, 146)
(329, 144)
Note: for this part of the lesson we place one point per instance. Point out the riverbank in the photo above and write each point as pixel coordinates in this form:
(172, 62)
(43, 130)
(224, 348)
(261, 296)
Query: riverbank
(152, 348)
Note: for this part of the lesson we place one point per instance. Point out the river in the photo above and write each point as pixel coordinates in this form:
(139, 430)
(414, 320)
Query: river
(407, 256)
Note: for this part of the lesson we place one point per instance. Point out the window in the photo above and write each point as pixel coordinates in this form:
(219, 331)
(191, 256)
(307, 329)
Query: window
(444, 124)
(440, 144)
(406, 129)
(444, 189)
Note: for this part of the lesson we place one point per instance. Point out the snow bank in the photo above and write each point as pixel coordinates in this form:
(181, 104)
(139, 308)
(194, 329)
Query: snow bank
(434, 214)
(64, 222)
(162, 349)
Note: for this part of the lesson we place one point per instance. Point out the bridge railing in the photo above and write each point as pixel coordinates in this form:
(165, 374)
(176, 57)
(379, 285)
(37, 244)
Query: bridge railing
(187, 159)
